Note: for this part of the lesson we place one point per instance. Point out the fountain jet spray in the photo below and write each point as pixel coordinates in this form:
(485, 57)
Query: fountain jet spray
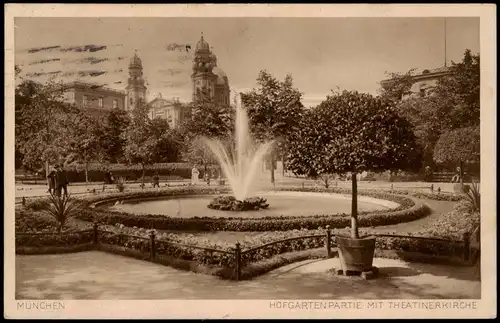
(241, 163)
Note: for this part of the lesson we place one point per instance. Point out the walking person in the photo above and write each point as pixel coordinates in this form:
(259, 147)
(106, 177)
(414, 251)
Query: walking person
(61, 181)
(51, 181)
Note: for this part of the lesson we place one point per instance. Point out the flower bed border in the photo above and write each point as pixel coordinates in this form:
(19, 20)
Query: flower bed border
(238, 269)
(410, 209)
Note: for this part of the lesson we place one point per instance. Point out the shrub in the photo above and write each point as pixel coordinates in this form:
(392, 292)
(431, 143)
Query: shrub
(62, 208)
(97, 172)
(120, 185)
(473, 196)
(29, 221)
(38, 204)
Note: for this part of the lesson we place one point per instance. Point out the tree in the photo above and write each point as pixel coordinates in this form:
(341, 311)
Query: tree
(205, 118)
(353, 132)
(459, 146)
(145, 139)
(113, 141)
(452, 103)
(462, 91)
(430, 117)
(83, 139)
(40, 112)
(274, 110)
(397, 86)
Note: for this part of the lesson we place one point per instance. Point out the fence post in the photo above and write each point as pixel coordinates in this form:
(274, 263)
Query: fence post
(328, 243)
(24, 201)
(432, 188)
(302, 184)
(439, 190)
(237, 261)
(152, 245)
(466, 238)
(96, 232)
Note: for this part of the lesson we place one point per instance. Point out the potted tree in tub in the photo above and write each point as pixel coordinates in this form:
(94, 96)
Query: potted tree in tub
(352, 132)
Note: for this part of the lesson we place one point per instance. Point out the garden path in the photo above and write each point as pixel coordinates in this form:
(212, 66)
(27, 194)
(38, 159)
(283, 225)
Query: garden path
(99, 275)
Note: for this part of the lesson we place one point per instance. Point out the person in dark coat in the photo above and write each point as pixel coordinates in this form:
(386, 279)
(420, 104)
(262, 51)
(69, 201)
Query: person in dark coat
(52, 181)
(61, 181)
(156, 180)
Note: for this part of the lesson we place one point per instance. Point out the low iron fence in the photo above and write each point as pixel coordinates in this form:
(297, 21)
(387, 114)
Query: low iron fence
(235, 258)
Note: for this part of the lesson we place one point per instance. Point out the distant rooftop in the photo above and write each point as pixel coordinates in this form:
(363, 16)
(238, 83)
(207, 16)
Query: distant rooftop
(93, 86)
(428, 73)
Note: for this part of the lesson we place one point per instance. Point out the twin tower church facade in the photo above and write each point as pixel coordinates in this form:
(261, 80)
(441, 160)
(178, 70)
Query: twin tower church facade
(206, 77)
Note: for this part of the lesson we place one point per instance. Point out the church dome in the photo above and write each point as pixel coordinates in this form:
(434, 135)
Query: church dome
(135, 61)
(202, 45)
(221, 76)
(213, 58)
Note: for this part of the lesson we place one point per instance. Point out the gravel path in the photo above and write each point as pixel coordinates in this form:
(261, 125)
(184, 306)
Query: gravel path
(99, 275)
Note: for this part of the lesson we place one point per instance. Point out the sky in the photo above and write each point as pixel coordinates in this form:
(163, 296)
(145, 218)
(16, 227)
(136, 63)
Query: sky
(322, 54)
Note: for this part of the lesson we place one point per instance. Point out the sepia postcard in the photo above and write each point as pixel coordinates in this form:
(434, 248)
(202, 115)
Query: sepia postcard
(214, 161)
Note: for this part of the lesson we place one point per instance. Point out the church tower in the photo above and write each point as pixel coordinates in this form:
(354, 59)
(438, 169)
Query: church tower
(208, 76)
(202, 77)
(136, 90)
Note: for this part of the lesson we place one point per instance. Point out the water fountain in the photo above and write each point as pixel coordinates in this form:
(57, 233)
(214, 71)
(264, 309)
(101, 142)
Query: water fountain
(239, 164)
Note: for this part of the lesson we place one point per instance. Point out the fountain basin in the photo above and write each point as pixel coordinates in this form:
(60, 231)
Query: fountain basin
(287, 204)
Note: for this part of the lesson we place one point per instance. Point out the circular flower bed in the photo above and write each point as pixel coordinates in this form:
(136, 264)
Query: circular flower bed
(230, 203)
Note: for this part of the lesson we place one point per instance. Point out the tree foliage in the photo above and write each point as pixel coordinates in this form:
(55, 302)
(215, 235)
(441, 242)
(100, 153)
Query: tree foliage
(453, 103)
(461, 90)
(205, 118)
(113, 142)
(353, 132)
(274, 110)
(397, 85)
(83, 139)
(40, 116)
(458, 145)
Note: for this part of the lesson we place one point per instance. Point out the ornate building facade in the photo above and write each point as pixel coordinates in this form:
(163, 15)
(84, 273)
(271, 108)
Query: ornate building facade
(207, 76)
(172, 110)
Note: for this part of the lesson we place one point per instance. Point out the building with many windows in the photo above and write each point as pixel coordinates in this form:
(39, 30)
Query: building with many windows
(98, 99)
(172, 110)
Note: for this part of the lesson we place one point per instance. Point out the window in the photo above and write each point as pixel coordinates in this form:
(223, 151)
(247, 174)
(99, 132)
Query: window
(101, 103)
(115, 103)
(85, 100)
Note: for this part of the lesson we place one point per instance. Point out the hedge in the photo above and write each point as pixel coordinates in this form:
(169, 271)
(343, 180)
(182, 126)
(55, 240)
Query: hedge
(97, 172)
(382, 193)
(54, 239)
